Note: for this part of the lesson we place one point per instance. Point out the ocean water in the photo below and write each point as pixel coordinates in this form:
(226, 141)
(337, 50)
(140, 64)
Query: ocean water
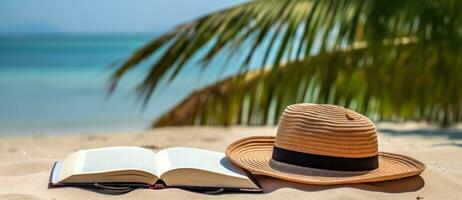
(58, 84)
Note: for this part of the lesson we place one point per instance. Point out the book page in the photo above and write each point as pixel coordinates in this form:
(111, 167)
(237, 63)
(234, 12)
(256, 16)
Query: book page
(118, 158)
(179, 167)
(191, 158)
(163, 163)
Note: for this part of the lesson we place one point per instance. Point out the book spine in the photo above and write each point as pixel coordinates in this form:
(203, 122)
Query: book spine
(158, 186)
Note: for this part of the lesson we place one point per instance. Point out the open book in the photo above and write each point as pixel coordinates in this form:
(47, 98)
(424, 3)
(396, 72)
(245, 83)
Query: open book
(135, 166)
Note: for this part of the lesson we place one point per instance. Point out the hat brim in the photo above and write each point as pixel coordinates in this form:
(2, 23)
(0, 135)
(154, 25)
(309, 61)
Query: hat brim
(254, 155)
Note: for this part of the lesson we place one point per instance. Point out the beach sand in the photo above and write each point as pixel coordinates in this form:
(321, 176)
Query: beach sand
(25, 164)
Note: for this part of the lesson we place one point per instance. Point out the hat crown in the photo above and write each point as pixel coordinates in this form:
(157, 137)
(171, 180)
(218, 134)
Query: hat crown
(327, 130)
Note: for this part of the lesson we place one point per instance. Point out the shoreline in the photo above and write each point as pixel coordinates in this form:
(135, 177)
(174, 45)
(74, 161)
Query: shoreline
(64, 131)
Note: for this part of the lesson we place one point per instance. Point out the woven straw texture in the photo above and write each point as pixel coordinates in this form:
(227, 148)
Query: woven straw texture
(322, 130)
(326, 130)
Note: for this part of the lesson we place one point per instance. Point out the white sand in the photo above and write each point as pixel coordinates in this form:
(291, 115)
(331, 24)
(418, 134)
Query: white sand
(25, 164)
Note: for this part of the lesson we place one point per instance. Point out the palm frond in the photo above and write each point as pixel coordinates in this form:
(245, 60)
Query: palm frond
(258, 98)
(386, 79)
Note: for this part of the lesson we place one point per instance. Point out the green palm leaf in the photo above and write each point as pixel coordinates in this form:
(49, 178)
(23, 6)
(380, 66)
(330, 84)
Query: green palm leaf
(395, 59)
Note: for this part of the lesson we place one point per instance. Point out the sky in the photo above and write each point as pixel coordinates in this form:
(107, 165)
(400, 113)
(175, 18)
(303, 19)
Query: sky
(101, 16)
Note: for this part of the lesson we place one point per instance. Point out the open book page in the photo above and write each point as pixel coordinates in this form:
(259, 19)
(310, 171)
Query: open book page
(190, 166)
(177, 167)
(115, 158)
(106, 161)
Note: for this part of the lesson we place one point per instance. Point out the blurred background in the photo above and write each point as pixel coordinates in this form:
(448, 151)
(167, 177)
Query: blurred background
(102, 66)
(55, 59)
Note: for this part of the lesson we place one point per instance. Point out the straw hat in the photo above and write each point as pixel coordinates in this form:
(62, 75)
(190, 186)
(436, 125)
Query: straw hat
(323, 145)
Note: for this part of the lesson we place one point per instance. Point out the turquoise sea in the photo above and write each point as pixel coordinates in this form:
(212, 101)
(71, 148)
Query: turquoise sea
(57, 84)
